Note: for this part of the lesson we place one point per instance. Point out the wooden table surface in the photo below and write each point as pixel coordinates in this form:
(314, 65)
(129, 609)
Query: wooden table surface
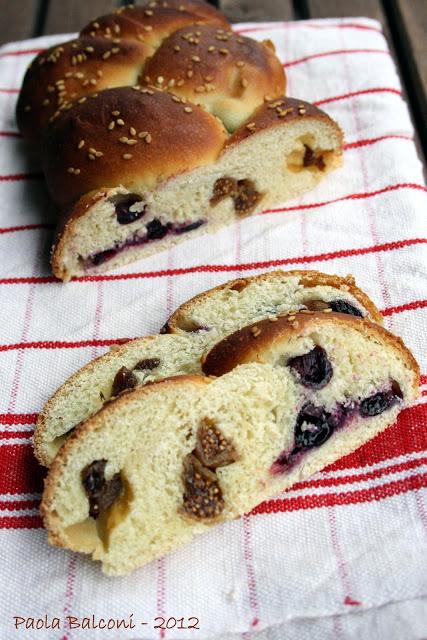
(404, 23)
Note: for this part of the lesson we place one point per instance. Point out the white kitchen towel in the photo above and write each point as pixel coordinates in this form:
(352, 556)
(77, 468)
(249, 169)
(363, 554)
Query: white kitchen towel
(342, 555)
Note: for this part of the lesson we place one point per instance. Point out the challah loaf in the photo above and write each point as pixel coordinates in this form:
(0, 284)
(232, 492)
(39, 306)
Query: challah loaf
(322, 385)
(148, 170)
(200, 322)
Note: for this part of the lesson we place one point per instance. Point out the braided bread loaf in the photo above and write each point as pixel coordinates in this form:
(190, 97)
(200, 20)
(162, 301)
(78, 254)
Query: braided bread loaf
(198, 325)
(200, 137)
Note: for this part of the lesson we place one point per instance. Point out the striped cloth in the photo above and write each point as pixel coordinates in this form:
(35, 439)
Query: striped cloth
(343, 555)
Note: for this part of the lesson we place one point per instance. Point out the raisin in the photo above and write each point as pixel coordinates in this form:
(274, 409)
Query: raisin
(212, 449)
(148, 363)
(314, 368)
(313, 159)
(100, 492)
(342, 306)
(124, 379)
(314, 426)
(156, 230)
(379, 402)
(123, 203)
(202, 495)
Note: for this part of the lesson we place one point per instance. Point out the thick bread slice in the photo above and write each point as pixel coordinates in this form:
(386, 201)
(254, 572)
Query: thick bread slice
(183, 175)
(237, 303)
(147, 435)
(223, 310)
(85, 392)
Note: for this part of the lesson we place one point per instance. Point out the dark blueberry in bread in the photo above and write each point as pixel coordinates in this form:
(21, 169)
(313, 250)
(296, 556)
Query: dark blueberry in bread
(342, 306)
(314, 368)
(102, 256)
(381, 401)
(123, 203)
(314, 426)
(184, 228)
(156, 230)
(124, 379)
(100, 492)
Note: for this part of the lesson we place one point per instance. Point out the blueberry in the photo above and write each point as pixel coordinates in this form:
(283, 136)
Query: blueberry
(342, 306)
(381, 401)
(156, 230)
(102, 256)
(184, 228)
(313, 367)
(123, 203)
(314, 426)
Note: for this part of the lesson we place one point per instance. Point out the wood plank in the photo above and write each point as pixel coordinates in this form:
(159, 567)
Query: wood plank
(409, 23)
(250, 11)
(345, 9)
(64, 16)
(17, 19)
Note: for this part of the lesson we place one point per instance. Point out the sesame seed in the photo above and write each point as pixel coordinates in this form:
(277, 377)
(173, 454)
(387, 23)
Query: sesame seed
(92, 150)
(46, 102)
(115, 50)
(99, 73)
(200, 89)
(142, 134)
(120, 122)
(115, 113)
(251, 126)
(70, 169)
(81, 144)
(98, 154)
(180, 83)
(91, 156)
(93, 81)
(123, 139)
(244, 83)
(240, 64)
(111, 125)
(106, 55)
(89, 49)
(160, 80)
(148, 12)
(50, 88)
(188, 110)
(76, 172)
(127, 156)
(148, 27)
(132, 131)
(131, 142)
(117, 28)
(211, 48)
(224, 51)
(195, 58)
(148, 138)
(176, 99)
(171, 82)
(177, 48)
(190, 73)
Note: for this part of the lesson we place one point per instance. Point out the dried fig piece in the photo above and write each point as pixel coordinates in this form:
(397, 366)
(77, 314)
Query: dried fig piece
(223, 188)
(148, 363)
(123, 380)
(316, 305)
(243, 193)
(212, 449)
(202, 495)
(100, 492)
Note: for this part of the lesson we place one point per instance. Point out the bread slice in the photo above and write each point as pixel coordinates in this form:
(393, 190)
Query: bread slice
(237, 303)
(239, 421)
(197, 325)
(322, 385)
(137, 362)
(171, 171)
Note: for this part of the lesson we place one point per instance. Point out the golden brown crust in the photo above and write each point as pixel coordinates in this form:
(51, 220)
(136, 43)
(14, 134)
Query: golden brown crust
(128, 135)
(306, 278)
(56, 534)
(252, 343)
(154, 21)
(72, 71)
(275, 112)
(209, 65)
